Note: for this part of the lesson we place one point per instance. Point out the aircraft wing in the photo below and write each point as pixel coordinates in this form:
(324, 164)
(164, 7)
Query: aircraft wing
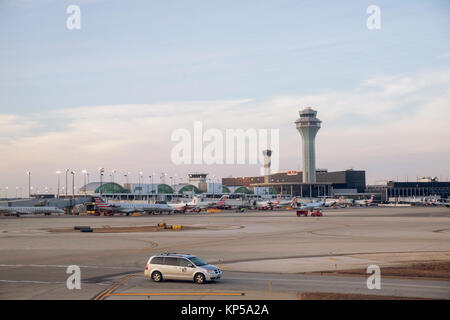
(8, 210)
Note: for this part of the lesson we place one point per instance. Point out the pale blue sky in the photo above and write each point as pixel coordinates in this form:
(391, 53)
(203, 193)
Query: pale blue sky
(157, 52)
(147, 51)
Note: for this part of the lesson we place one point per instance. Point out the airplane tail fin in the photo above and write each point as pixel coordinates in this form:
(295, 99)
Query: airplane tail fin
(100, 202)
(294, 201)
(222, 200)
(278, 200)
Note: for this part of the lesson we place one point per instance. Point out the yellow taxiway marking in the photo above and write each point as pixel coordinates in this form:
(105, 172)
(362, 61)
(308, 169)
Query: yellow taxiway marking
(102, 295)
(179, 294)
(333, 259)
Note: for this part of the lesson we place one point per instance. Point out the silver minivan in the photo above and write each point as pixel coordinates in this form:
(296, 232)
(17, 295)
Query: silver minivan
(180, 267)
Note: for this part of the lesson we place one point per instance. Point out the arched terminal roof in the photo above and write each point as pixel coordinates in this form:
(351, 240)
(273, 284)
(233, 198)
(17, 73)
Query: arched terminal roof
(106, 187)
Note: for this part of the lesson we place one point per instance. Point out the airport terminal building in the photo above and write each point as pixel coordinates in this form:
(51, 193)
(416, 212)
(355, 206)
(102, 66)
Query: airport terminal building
(290, 183)
(396, 191)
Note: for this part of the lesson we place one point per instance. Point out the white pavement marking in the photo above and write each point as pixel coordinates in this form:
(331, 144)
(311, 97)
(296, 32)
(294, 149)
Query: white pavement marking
(59, 266)
(47, 282)
(31, 281)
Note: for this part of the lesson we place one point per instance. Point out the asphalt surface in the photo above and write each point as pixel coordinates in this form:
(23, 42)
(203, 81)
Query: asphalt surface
(49, 282)
(261, 253)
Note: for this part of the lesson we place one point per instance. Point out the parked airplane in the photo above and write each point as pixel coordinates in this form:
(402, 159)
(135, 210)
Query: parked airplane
(179, 207)
(334, 202)
(313, 205)
(132, 207)
(364, 202)
(197, 203)
(268, 204)
(30, 210)
(284, 203)
(439, 202)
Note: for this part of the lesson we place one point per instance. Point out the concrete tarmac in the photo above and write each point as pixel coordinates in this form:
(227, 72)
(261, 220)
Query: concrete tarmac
(261, 253)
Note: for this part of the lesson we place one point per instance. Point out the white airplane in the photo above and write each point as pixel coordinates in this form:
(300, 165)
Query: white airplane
(441, 202)
(284, 203)
(266, 204)
(30, 210)
(277, 203)
(313, 205)
(364, 202)
(330, 202)
(131, 207)
(197, 203)
(180, 207)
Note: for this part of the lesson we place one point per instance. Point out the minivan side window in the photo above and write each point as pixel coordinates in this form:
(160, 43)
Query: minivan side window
(157, 260)
(183, 262)
(170, 261)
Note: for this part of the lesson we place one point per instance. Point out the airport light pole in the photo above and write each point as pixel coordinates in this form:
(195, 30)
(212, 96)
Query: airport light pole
(73, 183)
(6, 192)
(151, 184)
(58, 173)
(140, 180)
(101, 170)
(126, 177)
(29, 184)
(163, 177)
(67, 171)
(113, 172)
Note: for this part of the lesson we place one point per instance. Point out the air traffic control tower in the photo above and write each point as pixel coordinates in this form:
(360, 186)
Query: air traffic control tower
(308, 125)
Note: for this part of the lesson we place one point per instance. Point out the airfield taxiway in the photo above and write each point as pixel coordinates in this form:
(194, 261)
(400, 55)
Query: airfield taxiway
(264, 255)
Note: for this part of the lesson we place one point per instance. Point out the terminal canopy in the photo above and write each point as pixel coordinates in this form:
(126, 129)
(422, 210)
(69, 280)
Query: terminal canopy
(165, 189)
(106, 187)
(242, 190)
(189, 188)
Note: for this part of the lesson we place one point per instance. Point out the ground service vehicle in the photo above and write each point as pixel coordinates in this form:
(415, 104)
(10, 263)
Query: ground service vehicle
(180, 267)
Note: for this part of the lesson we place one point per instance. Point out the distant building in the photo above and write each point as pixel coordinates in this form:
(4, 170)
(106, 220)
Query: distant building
(428, 179)
(393, 189)
(198, 180)
(291, 182)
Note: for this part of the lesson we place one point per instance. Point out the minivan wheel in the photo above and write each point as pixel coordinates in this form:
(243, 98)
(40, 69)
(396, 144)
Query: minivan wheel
(157, 276)
(199, 278)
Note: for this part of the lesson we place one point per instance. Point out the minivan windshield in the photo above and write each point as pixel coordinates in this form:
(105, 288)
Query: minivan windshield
(197, 261)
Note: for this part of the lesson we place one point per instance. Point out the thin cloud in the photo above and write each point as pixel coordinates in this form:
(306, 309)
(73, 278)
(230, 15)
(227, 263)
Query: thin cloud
(386, 117)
